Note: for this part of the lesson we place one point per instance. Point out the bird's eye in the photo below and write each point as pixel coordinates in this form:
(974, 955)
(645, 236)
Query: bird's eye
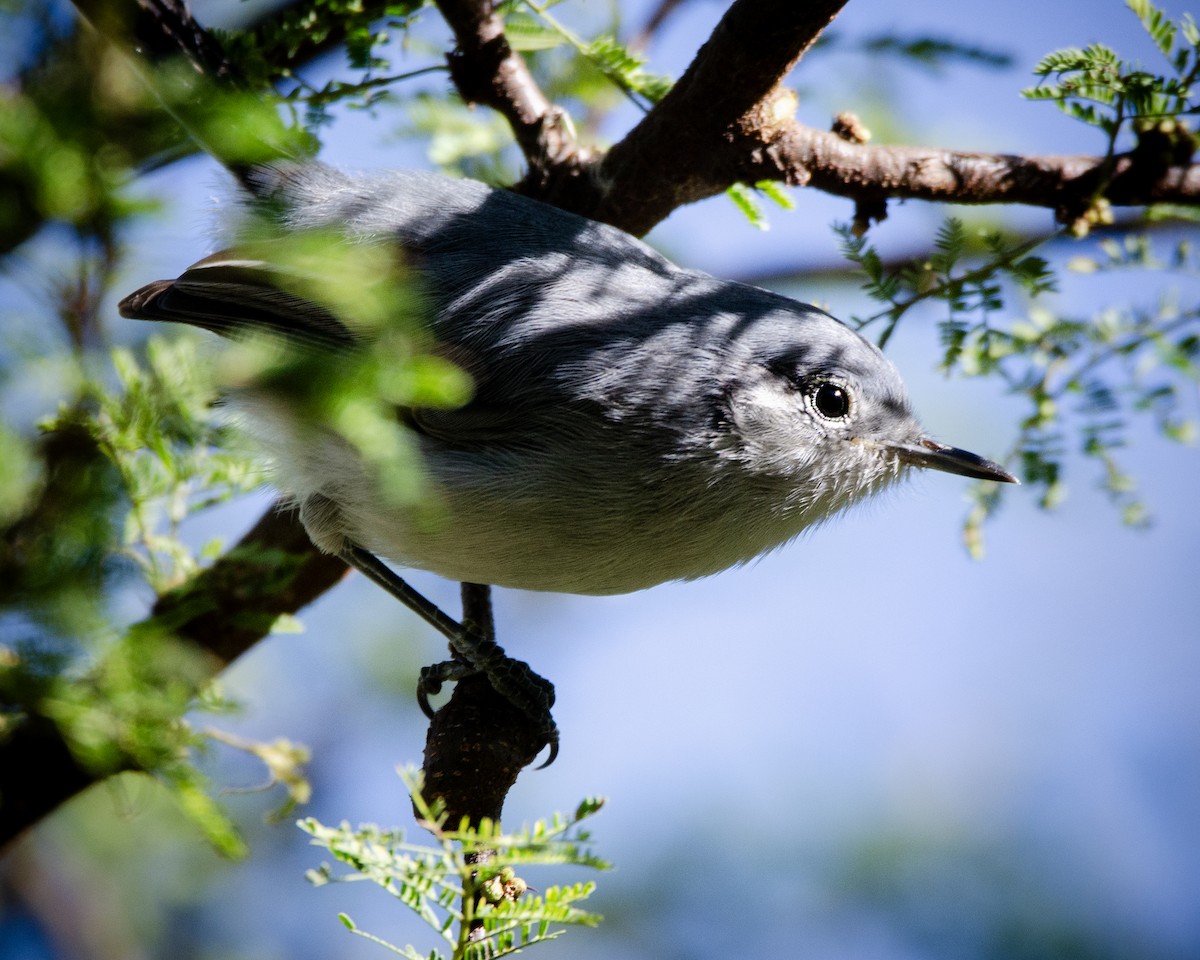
(830, 400)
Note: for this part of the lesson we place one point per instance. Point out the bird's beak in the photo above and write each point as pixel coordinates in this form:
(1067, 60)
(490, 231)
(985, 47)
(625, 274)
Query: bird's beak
(927, 452)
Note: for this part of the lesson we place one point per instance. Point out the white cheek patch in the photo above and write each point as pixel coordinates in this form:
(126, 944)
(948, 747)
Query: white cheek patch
(777, 432)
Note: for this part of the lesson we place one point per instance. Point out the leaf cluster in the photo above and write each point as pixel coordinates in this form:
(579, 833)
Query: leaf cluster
(585, 78)
(745, 198)
(270, 54)
(100, 501)
(71, 123)
(1081, 378)
(949, 275)
(605, 54)
(159, 430)
(1096, 86)
(465, 886)
(118, 469)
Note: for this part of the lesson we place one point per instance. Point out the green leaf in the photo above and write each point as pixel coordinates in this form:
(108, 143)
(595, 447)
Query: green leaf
(743, 198)
(1156, 24)
(526, 34)
(1095, 86)
(615, 61)
(777, 193)
(1191, 33)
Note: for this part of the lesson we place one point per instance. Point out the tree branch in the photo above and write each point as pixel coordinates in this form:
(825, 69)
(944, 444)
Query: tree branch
(230, 606)
(710, 130)
(159, 30)
(866, 172)
(729, 120)
(222, 612)
(486, 70)
(701, 138)
(478, 723)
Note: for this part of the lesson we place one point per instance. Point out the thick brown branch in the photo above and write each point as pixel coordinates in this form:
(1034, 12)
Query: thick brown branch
(37, 773)
(479, 742)
(708, 130)
(273, 570)
(700, 139)
(163, 29)
(729, 120)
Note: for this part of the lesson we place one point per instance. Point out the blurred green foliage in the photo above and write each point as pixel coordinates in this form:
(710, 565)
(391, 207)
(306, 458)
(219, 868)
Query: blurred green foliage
(95, 498)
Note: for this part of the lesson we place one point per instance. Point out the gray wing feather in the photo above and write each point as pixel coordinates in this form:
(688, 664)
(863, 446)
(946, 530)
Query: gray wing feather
(234, 295)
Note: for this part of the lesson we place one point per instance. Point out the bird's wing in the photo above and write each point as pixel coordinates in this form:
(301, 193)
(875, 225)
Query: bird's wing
(237, 293)
(234, 294)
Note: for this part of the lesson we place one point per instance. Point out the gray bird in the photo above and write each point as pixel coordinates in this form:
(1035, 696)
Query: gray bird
(632, 422)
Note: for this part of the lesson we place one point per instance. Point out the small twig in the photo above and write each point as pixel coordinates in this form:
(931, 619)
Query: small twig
(333, 92)
(487, 70)
(581, 48)
(654, 22)
(938, 290)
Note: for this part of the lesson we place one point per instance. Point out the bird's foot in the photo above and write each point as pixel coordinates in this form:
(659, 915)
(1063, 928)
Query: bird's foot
(474, 648)
(514, 680)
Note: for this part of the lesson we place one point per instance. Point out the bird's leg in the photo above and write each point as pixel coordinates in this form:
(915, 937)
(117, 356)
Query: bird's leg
(382, 575)
(473, 644)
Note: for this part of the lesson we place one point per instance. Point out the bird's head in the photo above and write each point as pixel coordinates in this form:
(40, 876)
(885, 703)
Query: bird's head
(814, 404)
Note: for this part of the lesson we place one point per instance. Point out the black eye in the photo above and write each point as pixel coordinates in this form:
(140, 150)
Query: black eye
(830, 400)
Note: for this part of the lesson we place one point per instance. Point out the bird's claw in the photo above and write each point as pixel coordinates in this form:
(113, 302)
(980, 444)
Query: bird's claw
(434, 676)
(513, 679)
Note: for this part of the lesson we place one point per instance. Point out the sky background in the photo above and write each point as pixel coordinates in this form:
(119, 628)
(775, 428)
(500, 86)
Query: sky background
(866, 745)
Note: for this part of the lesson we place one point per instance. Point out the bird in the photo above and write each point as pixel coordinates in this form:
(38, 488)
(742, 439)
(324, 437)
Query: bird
(631, 421)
